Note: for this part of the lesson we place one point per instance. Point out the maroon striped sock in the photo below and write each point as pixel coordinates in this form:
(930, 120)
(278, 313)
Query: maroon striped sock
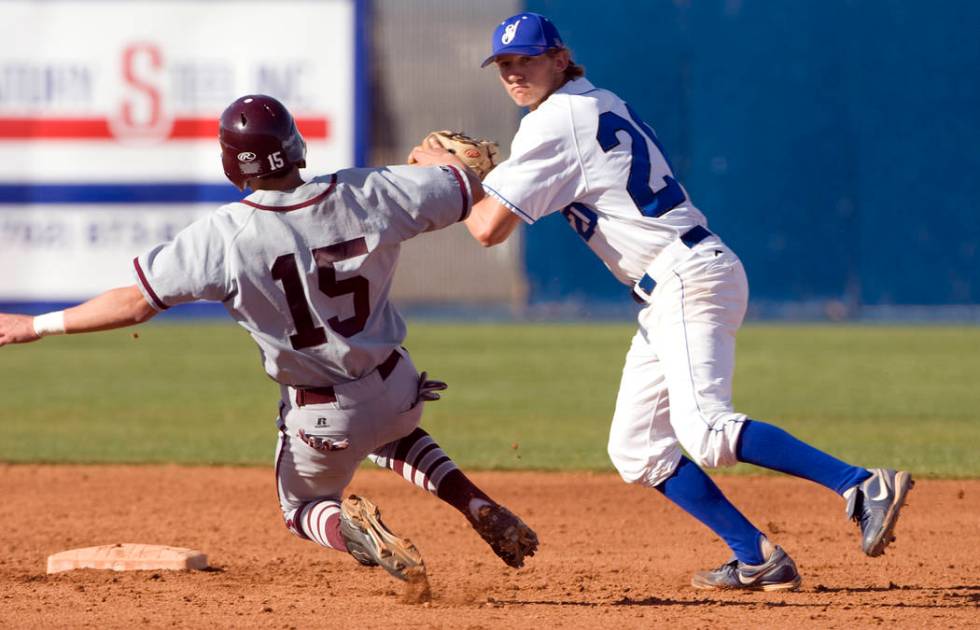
(421, 461)
(320, 522)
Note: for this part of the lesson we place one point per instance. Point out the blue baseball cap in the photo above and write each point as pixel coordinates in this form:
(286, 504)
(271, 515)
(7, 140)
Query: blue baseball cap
(524, 34)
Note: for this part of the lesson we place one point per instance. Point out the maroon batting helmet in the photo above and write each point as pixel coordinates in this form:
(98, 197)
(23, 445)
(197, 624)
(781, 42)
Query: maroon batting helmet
(258, 137)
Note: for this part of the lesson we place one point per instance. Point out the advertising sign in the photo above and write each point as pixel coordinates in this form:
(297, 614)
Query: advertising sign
(108, 122)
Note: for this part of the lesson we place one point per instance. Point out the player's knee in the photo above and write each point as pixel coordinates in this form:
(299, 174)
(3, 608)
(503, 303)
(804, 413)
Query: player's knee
(709, 459)
(644, 467)
(710, 439)
(623, 464)
(629, 463)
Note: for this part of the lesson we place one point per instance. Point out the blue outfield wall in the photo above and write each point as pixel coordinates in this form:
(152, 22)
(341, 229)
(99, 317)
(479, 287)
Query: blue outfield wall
(835, 145)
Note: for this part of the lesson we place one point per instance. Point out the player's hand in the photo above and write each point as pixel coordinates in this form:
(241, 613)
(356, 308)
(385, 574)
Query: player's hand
(16, 329)
(479, 155)
(429, 388)
(431, 153)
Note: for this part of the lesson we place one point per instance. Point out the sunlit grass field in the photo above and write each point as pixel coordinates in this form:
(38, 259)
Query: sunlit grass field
(528, 396)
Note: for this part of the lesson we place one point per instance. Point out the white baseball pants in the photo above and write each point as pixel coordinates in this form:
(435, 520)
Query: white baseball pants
(676, 388)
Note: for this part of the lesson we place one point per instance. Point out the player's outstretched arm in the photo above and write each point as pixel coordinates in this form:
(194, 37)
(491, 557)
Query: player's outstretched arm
(116, 308)
(490, 222)
(430, 153)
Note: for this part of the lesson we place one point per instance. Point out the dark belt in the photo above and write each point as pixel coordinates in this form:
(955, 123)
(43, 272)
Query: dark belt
(690, 238)
(324, 395)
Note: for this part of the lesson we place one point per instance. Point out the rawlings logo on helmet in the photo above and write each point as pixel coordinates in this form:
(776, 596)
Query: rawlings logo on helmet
(246, 156)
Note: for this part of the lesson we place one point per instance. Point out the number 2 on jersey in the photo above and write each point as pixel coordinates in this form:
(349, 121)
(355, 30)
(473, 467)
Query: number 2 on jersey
(308, 334)
(648, 202)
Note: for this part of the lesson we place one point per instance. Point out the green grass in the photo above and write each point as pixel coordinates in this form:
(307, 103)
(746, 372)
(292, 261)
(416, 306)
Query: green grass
(195, 393)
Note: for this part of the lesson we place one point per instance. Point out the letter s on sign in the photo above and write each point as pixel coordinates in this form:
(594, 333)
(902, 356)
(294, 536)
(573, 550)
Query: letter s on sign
(137, 57)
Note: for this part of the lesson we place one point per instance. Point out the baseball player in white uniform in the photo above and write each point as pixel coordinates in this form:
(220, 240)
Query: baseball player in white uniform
(306, 269)
(584, 152)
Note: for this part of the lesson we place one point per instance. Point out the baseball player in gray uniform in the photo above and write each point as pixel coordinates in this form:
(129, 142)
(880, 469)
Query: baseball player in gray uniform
(584, 152)
(306, 268)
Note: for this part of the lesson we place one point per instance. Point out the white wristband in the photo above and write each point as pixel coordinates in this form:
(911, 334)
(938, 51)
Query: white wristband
(50, 324)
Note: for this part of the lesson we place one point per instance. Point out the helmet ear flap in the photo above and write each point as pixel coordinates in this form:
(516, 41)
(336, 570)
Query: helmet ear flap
(300, 161)
(232, 168)
(295, 148)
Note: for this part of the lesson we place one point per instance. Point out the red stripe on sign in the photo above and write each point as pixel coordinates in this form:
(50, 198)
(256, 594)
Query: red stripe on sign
(192, 128)
(75, 128)
(99, 129)
(314, 128)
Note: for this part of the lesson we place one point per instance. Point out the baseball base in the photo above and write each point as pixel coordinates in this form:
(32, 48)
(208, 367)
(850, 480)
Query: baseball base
(128, 557)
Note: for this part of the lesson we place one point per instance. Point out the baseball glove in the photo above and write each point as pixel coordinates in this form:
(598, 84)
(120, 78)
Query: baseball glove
(477, 153)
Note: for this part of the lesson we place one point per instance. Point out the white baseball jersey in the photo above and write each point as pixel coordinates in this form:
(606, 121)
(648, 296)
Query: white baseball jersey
(584, 152)
(307, 272)
(570, 155)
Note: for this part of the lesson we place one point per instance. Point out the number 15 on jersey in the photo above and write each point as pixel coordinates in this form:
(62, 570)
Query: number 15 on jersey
(308, 334)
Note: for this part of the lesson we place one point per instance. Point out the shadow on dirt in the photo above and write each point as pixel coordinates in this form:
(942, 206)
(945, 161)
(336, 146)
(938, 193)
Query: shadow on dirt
(954, 596)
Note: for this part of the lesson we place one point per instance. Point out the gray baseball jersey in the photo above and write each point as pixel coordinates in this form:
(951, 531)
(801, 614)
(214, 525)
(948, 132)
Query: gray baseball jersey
(307, 272)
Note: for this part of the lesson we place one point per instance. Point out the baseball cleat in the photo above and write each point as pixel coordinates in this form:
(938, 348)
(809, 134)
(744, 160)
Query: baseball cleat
(875, 504)
(507, 535)
(778, 573)
(373, 544)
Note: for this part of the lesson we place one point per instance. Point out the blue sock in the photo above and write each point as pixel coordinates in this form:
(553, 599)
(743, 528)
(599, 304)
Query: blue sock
(770, 447)
(698, 495)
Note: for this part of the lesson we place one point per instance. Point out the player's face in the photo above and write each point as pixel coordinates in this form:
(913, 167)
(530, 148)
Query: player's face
(530, 80)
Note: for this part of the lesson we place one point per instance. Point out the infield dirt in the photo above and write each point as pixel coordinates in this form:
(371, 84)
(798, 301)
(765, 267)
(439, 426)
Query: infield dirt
(611, 556)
